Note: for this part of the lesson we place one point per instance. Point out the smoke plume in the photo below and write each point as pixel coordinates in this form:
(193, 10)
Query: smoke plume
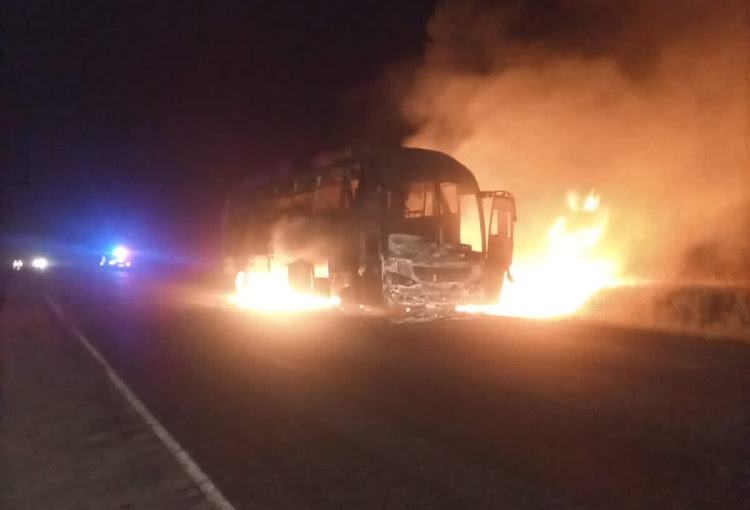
(645, 102)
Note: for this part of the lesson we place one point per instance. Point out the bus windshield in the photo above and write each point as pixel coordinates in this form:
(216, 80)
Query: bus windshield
(439, 211)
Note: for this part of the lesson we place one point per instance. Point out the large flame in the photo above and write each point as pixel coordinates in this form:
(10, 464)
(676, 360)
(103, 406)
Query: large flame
(565, 275)
(557, 282)
(270, 292)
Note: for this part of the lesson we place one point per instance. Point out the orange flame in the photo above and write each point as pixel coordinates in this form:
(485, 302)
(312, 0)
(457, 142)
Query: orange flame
(561, 279)
(270, 292)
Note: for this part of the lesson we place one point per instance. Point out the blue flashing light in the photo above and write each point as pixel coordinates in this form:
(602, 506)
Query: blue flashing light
(121, 253)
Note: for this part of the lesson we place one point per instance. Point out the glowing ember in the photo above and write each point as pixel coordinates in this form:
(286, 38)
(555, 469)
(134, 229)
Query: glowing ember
(270, 292)
(563, 278)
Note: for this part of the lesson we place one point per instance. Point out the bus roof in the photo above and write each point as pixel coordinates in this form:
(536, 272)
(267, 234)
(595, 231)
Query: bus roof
(388, 165)
(398, 164)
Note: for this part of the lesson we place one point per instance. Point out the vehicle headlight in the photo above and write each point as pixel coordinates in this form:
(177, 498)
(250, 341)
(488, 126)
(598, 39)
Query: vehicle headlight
(398, 279)
(40, 263)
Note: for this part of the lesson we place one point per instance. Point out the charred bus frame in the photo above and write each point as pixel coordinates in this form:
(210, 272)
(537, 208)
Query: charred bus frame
(402, 228)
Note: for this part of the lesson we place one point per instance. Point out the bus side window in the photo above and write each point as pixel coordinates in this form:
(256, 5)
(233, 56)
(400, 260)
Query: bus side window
(304, 192)
(501, 224)
(505, 227)
(282, 198)
(328, 194)
(350, 192)
(502, 213)
(354, 186)
(352, 189)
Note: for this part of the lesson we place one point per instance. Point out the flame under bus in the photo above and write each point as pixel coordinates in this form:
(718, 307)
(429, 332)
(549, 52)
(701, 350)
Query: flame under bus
(405, 229)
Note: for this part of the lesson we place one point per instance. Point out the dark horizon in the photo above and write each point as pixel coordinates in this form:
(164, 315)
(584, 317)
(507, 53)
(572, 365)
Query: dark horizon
(122, 113)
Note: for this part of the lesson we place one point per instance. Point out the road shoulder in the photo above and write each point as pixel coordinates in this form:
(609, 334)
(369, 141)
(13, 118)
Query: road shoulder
(69, 439)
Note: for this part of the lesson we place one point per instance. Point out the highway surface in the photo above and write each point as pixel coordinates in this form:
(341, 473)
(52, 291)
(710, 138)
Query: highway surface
(326, 410)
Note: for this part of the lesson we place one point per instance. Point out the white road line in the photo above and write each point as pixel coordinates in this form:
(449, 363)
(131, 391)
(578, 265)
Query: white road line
(213, 494)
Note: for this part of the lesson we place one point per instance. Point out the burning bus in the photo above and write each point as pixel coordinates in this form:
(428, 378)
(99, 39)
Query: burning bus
(405, 229)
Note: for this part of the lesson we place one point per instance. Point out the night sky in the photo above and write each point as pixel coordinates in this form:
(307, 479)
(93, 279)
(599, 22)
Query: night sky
(136, 118)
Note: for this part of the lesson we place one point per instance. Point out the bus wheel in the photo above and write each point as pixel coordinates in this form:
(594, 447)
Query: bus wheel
(301, 276)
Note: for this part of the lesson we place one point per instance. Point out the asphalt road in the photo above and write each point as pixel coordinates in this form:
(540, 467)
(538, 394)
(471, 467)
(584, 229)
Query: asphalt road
(325, 410)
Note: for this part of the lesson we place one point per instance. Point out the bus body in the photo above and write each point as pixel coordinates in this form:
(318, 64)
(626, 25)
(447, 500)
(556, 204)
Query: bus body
(403, 228)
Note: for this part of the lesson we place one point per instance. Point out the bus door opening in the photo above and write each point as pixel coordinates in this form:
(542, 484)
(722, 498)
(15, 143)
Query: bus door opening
(499, 235)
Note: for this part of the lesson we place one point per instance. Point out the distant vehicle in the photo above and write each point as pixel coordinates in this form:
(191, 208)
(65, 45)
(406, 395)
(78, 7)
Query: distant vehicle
(35, 263)
(401, 228)
(39, 263)
(119, 257)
